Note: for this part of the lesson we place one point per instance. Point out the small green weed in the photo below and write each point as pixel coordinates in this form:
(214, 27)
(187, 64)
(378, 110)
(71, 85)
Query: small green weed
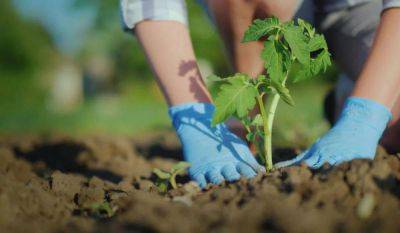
(166, 178)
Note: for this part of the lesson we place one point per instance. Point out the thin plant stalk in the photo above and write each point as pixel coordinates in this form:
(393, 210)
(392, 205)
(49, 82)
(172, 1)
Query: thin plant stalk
(268, 138)
(173, 182)
(268, 121)
(260, 101)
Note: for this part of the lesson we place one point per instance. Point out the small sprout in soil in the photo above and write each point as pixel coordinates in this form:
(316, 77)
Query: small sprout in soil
(292, 52)
(166, 178)
(99, 210)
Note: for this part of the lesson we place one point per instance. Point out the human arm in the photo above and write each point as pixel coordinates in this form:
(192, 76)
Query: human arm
(169, 50)
(380, 78)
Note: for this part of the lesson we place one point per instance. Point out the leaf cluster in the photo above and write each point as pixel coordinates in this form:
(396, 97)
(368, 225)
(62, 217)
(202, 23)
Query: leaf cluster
(167, 178)
(290, 50)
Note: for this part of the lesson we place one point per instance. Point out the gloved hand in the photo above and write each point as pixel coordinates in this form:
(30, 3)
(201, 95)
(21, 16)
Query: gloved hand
(215, 153)
(355, 135)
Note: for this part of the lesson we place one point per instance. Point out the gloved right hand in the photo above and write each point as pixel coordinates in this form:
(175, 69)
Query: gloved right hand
(354, 136)
(215, 153)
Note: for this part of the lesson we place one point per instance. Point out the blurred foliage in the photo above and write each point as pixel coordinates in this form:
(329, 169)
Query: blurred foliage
(107, 12)
(24, 45)
(26, 49)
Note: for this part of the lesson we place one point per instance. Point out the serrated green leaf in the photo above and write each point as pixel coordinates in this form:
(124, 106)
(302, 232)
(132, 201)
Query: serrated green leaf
(302, 75)
(323, 61)
(161, 174)
(300, 72)
(213, 83)
(283, 93)
(307, 27)
(316, 43)
(320, 63)
(297, 43)
(285, 56)
(260, 28)
(257, 120)
(272, 61)
(317, 66)
(237, 97)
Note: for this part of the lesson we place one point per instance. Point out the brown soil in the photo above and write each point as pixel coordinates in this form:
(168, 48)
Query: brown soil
(103, 184)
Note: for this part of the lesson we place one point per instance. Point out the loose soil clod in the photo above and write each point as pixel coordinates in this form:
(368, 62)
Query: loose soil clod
(100, 184)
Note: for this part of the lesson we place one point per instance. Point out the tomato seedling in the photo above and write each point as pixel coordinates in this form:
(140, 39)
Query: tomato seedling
(292, 52)
(166, 178)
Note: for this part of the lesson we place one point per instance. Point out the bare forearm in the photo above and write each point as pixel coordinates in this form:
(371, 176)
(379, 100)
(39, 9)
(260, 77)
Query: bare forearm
(169, 50)
(380, 79)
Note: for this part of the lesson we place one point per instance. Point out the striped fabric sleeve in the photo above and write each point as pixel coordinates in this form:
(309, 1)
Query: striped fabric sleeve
(134, 11)
(390, 4)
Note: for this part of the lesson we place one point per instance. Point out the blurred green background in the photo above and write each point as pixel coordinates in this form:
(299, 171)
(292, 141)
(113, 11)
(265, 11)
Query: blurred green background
(67, 67)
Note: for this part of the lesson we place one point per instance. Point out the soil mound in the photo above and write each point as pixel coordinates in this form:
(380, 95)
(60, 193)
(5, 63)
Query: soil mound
(103, 184)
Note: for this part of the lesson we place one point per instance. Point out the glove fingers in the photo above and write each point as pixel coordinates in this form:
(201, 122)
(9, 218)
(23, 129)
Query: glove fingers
(214, 177)
(295, 161)
(201, 180)
(315, 159)
(252, 162)
(245, 170)
(336, 159)
(229, 173)
(244, 155)
(332, 160)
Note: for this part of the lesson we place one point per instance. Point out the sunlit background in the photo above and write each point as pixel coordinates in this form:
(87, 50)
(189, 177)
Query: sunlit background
(67, 67)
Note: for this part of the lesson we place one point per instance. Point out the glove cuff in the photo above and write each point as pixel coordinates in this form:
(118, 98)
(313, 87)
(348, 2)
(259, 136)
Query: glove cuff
(191, 111)
(367, 112)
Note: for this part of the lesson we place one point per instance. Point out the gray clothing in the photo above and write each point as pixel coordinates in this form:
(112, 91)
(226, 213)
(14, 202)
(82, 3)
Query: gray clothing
(350, 33)
(332, 5)
(135, 11)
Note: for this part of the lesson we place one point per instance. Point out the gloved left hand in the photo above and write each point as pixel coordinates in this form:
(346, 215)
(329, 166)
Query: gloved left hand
(354, 136)
(215, 153)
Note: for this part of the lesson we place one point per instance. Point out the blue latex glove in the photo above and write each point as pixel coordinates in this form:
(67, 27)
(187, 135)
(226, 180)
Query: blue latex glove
(355, 135)
(215, 153)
